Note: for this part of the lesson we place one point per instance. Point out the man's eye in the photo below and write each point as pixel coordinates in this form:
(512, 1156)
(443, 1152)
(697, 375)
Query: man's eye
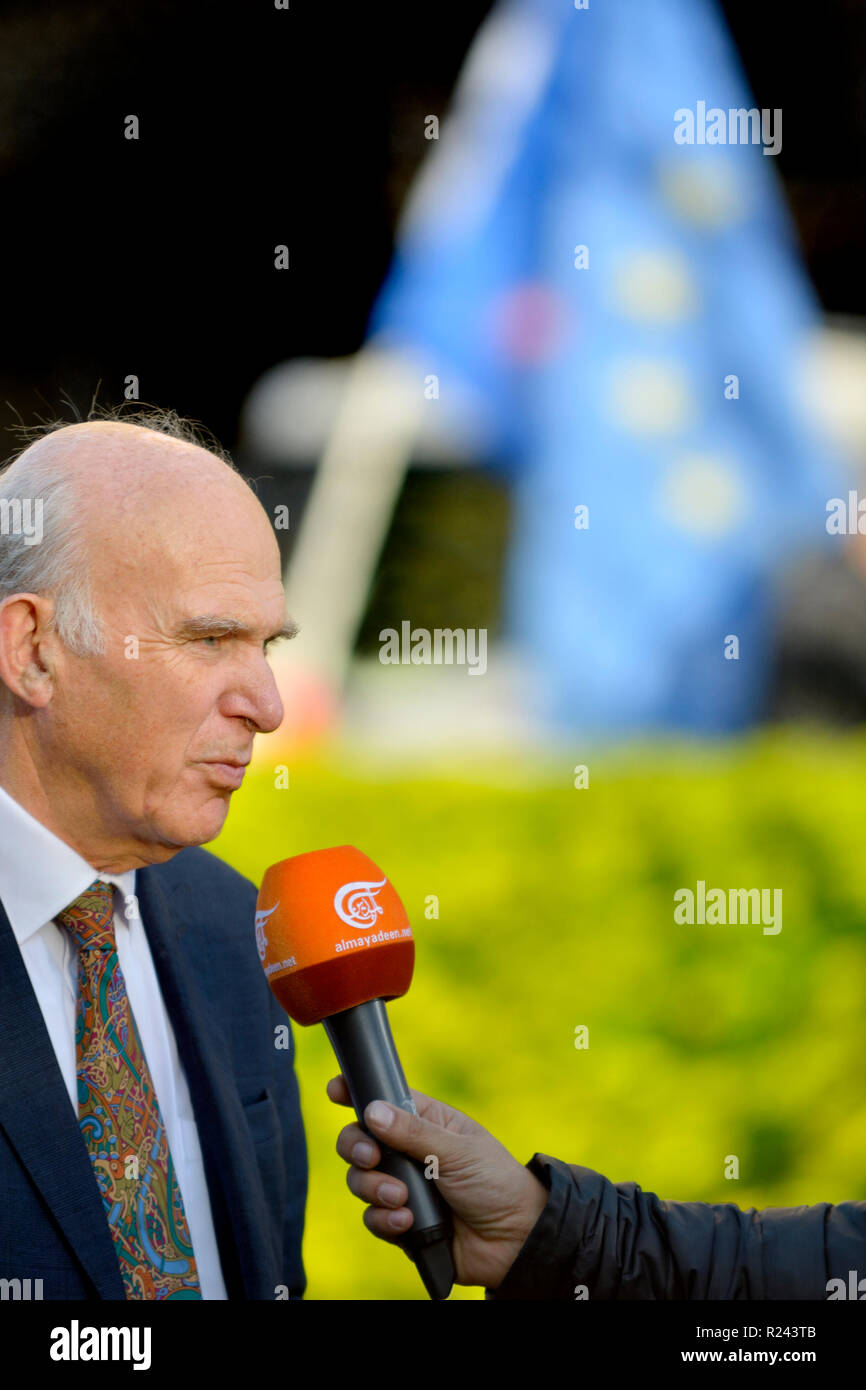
(211, 639)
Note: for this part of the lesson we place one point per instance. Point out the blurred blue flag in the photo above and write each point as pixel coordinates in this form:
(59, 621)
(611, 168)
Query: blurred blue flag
(597, 255)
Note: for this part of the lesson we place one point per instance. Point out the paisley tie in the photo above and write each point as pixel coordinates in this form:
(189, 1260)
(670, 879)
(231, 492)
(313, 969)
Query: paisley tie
(119, 1116)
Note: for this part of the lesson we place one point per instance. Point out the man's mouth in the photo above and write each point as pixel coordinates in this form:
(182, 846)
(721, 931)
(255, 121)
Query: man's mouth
(228, 773)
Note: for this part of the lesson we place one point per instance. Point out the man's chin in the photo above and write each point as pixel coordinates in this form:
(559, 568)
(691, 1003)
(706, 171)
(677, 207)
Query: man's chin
(203, 825)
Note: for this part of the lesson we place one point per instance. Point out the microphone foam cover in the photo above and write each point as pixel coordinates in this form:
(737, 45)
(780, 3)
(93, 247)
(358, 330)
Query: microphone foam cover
(332, 933)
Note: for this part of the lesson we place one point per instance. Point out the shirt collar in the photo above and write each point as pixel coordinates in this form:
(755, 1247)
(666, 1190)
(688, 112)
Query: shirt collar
(40, 874)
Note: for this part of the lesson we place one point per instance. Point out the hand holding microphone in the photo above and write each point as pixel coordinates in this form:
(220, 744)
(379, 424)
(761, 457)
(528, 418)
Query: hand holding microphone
(494, 1201)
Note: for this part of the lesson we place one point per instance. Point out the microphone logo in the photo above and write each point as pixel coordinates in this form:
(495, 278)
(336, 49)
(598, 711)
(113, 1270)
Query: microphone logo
(355, 904)
(261, 939)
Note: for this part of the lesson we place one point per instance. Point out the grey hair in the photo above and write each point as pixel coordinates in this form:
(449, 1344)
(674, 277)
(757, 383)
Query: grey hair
(58, 566)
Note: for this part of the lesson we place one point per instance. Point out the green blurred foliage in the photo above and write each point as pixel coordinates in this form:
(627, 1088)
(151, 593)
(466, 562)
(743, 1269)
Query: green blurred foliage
(555, 910)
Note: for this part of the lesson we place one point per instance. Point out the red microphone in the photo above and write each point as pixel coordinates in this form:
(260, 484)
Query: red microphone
(335, 943)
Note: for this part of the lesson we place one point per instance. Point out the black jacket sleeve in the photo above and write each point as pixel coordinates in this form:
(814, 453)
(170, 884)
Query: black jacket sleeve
(618, 1242)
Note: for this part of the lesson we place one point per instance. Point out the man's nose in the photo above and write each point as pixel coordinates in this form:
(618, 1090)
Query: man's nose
(272, 706)
(263, 708)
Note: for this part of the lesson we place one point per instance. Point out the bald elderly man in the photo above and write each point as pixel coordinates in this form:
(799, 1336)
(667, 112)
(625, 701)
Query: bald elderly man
(151, 1141)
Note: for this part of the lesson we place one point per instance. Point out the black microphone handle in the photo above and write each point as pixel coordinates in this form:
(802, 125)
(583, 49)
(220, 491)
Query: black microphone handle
(361, 1038)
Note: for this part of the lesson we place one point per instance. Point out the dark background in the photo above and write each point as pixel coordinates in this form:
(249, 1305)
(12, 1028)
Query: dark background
(302, 127)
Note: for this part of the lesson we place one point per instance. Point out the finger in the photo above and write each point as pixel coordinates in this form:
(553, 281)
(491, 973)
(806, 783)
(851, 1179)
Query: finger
(412, 1134)
(338, 1091)
(378, 1189)
(383, 1224)
(427, 1106)
(433, 1111)
(357, 1147)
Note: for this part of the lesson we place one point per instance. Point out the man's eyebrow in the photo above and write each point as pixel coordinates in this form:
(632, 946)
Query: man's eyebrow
(215, 626)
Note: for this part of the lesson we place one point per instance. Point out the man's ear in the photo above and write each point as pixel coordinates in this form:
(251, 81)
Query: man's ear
(27, 642)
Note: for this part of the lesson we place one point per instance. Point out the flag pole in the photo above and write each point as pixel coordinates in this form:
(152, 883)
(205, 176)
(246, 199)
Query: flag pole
(346, 520)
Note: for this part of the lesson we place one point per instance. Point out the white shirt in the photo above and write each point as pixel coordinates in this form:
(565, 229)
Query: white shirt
(40, 875)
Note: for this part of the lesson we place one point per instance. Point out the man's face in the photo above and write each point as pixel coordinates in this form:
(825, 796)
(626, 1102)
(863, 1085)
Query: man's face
(139, 738)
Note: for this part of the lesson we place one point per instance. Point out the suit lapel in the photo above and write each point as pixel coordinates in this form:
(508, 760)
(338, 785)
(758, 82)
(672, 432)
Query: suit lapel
(41, 1125)
(241, 1216)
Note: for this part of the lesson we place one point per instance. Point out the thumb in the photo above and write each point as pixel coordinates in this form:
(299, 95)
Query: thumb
(408, 1133)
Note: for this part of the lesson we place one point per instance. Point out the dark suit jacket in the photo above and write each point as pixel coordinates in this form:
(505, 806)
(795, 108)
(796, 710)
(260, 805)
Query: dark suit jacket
(198, 914)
